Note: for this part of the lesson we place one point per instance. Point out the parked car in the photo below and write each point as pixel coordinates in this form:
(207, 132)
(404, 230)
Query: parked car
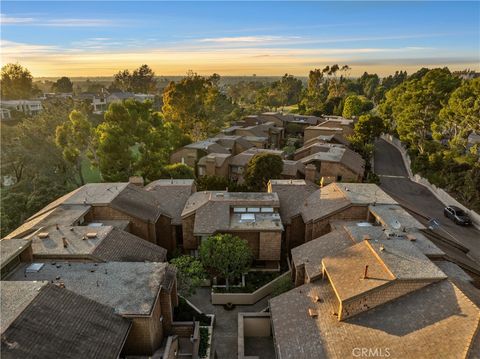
(457, 215)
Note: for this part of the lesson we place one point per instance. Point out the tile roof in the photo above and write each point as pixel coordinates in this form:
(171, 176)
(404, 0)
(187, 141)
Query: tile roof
(173, 195)
(335, 153)
(435, 321)
(219, 159)
(323, 202)
(130, 288)
(58, 323)
(292, 168)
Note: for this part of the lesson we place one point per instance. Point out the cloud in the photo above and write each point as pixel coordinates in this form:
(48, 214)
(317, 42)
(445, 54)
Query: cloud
(248, 39)
(11, 48)
(4, 19)
(67, 22)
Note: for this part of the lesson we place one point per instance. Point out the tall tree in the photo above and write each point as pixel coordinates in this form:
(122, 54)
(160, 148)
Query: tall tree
(197, 106)
(262, 168)
(226, 256)
(75, 138)
(134, 140)
(353, 106)
(16, 82)
(141, 80)
(414, 106)
(63, 85)
(461, 115)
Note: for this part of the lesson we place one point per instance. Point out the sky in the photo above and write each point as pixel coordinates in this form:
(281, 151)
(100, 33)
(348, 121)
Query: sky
(82, 38)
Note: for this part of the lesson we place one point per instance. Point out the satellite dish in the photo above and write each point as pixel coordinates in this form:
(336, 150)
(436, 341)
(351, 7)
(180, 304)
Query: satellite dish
(395, 224)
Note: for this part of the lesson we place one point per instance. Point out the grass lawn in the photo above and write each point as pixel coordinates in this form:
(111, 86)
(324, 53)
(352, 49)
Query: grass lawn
(90, 173)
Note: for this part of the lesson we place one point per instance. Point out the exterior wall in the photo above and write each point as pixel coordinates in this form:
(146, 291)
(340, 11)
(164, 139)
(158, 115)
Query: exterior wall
(270, 246)
(320, 227)
(190, 156)
(299, 275)
(27, 255)
(138, 227)
(312, 132)
(295, 233)
(379, 296)
(189, 240)
(167, 309)
(253, 240)
(164, 233)
(347, 129)
(334, 169)
(171, 348)
(146, 333)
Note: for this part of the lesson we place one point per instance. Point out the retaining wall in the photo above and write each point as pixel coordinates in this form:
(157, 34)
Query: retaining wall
(441, 194)
(248, 298)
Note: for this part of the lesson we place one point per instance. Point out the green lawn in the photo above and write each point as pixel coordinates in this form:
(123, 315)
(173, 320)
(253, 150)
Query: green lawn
(90, 173)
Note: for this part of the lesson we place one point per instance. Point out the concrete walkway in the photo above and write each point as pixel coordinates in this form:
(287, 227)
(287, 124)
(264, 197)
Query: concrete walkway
(225, 330)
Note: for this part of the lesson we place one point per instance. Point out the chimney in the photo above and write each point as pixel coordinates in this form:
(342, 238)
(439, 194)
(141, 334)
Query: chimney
(136, 180)
(365, 273)
(210, 166)
(310, 172)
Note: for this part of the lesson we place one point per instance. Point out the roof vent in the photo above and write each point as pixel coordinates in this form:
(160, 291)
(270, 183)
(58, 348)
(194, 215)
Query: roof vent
(91, 234)
(312, 313)
(43, 235)
(219, 194)
(65, 244)
(316, 299)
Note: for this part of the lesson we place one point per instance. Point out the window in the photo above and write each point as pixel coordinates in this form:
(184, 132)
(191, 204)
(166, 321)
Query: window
(266, 210)
(253, 210)
(239, 210)
(247, 217)
(201, 170)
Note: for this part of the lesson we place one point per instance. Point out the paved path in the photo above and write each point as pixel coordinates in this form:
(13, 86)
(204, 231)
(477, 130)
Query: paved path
(394, 180)
(226, 322)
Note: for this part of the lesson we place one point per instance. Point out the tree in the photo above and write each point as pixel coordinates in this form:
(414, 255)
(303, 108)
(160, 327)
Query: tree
(197, 106)
(461, 115)
(177, 170)
(290, 90)
(226, 256)
(190, 274)
(16, 82)
(368, 128)
(414, 105)
(353, 106)
(76, 139)
(261, 168)
(63, 84)
(133, 140)
(141, 80)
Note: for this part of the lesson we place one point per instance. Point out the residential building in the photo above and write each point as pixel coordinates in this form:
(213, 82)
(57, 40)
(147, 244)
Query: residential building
(43, 320)
(292, 195)
(130, 207)
(5, 114)
(13, 252)
(28, 107)
(333, 138)
(173, 194)
(94, 242)
(190, 154)
(144, 293)
(101, 102)
(251, 216)
(263, 135)
(214, 164)
(332, 162)
(238, 164)
(378, 279)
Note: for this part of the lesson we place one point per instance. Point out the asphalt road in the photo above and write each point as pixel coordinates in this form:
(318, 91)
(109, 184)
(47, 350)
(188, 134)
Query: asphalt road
(389, 165)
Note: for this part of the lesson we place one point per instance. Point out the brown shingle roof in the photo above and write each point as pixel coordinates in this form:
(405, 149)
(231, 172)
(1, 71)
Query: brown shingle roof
(173, 196)
(121, 246)
(61, 324)
(292, 195)
(138, 203)
(435, 321)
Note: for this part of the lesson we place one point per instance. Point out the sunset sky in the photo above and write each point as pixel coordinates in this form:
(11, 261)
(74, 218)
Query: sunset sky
(238, 38)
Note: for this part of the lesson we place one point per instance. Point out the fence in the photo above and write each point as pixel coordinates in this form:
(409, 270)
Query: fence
(441, 194)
